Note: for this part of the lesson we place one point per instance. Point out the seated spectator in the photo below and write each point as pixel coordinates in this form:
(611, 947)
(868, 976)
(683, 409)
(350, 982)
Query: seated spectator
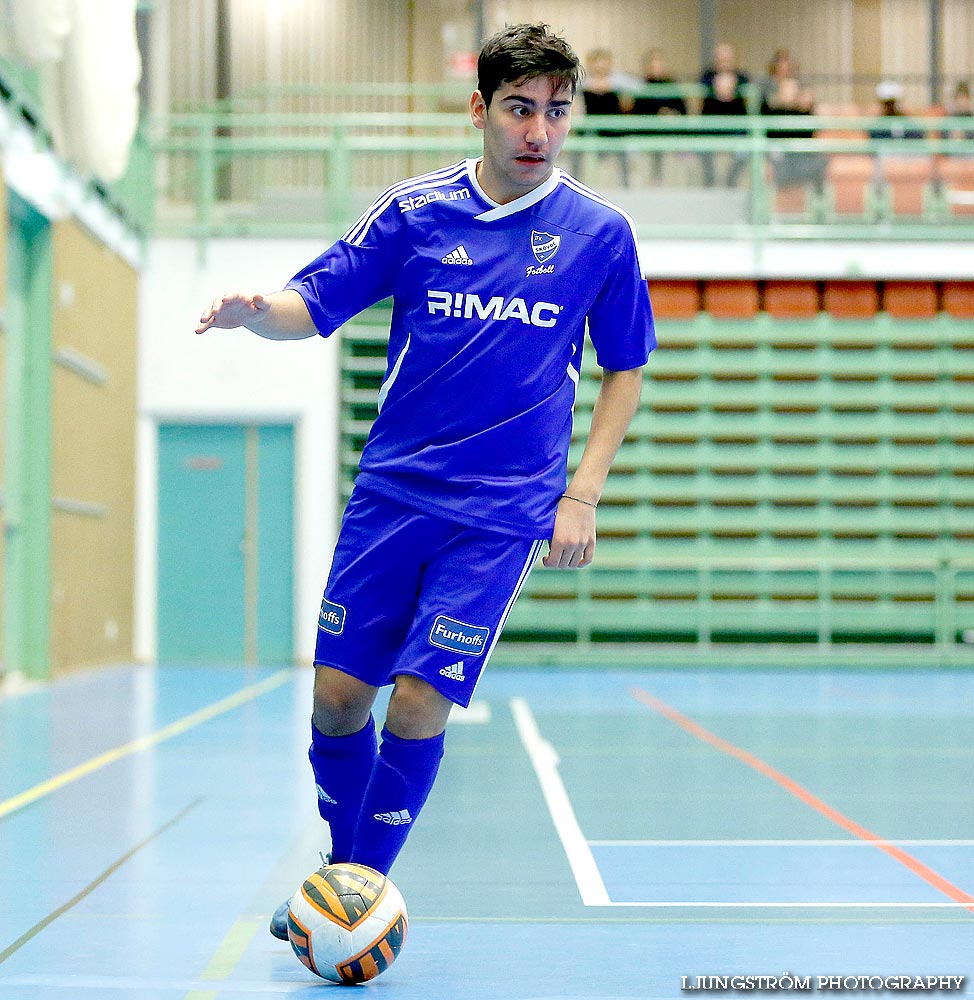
(784, 96)
(602, 95)
(889, 93)
(725, 87)
(655, 73)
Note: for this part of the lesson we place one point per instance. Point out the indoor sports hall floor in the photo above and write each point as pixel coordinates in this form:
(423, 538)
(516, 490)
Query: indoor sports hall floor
(593, 834)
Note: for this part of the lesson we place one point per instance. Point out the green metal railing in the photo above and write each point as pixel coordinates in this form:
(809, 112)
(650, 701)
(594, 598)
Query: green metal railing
(247, 173)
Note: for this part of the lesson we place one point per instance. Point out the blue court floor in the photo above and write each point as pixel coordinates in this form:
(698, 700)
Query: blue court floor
(593, 834)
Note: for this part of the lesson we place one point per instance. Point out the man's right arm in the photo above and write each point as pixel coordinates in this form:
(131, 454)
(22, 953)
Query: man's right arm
(277, 316)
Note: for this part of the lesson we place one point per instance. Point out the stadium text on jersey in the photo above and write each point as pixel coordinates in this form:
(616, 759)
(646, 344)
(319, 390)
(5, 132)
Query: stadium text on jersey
(421, 200)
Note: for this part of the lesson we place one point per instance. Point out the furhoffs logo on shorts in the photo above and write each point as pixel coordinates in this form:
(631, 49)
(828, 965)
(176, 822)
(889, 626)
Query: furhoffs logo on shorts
(448, 633)
(332, 617)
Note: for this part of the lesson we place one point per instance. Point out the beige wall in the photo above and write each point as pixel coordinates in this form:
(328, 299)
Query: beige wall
(93, 452)
(308, 42)
(819, 35)
(959, 39)
(628, 28)
(906, 47)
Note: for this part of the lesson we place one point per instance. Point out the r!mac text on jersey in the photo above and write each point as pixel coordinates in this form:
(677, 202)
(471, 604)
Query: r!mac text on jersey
(467, 305)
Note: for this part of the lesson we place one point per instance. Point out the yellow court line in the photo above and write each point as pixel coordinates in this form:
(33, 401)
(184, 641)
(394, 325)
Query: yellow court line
(227, 956)
(176, 728)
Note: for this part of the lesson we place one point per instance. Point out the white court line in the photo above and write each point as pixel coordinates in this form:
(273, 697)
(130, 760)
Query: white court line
(477, 714)
(588, 878)
(775, 843)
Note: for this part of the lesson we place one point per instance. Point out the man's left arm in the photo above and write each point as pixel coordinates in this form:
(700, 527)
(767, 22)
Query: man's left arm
(572, 544)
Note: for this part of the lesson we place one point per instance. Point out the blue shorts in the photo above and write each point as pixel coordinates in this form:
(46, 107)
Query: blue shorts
(412, 593)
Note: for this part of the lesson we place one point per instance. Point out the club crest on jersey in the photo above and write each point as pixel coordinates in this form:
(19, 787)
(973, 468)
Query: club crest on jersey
(544, 245)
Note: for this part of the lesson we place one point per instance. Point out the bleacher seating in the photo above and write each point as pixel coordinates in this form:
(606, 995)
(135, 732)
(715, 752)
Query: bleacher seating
(957, 178)
(801, 470)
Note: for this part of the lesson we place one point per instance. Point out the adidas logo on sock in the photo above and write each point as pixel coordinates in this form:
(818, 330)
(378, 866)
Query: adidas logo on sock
(454, 671)
(399, 818)
(325, 797)
(458, 256)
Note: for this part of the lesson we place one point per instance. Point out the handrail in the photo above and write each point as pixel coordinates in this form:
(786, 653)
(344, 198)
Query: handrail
(333, 151)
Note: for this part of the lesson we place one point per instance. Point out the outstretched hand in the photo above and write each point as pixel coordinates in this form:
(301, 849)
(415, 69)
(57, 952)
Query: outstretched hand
(233, 310)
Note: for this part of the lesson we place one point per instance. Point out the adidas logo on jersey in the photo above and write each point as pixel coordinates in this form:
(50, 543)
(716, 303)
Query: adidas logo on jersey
(400, 817)
(458, 256)
(454, 671)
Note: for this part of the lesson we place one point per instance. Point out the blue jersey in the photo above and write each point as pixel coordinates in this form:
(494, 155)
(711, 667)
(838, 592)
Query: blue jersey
(490, 304)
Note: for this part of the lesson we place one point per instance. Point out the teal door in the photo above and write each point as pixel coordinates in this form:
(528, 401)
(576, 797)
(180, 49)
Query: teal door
(226, 515)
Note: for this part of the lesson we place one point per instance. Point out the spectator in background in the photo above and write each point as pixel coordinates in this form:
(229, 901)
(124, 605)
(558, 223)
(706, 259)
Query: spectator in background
(655, 73)
(784, 95)
(781, 67)
(602, 94)
(725, 92)
(961, 106)
(889, 94)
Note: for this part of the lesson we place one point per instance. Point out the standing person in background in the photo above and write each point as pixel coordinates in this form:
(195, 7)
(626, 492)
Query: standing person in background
(656, 73)
(603, 95)
(783, 95)
(496, 267)
(780, 68)
(961, 106)
(725, 92)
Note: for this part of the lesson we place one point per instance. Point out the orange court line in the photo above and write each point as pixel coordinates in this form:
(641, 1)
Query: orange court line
(804, 795)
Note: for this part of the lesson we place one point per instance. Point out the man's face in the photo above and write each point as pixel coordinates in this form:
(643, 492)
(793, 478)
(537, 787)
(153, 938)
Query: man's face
(524, 129)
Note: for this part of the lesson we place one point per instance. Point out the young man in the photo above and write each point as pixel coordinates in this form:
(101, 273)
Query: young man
(494, 265)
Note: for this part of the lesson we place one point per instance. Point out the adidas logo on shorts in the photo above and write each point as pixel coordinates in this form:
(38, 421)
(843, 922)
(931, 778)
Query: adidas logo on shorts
(458, 256)
(454, 671)
(400, 817)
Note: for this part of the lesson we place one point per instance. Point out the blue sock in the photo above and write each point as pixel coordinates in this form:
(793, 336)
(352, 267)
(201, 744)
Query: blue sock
(341, 766)
(401, 782)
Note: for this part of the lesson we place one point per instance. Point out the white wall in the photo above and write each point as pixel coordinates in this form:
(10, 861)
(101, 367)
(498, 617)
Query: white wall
(234, 376)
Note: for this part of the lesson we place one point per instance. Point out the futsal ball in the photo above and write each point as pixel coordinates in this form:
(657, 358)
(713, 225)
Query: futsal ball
(347, 923)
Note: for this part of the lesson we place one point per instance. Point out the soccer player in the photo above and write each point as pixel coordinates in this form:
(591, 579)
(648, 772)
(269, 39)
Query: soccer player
(495, 266)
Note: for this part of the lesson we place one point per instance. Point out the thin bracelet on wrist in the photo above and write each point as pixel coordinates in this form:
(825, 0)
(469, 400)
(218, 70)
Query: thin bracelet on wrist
(588, 503)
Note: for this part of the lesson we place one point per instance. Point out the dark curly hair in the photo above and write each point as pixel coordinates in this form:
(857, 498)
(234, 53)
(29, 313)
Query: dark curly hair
(524, 52)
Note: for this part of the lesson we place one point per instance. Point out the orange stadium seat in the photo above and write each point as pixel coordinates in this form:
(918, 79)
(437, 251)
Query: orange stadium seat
(731, 299)
(910, 299)
(675, 299)
(957, 177)
(849, 176)
(909, 180)
(851, 299)
(958, 299)
(791, 299)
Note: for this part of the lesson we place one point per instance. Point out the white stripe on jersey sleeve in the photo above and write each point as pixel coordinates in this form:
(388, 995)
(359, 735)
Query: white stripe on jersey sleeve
(434, 179)
(580, 188)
